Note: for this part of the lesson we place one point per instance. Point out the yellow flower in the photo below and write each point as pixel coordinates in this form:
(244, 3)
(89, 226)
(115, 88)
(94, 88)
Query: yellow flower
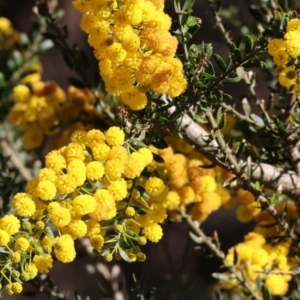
(276, 284)
(118, 189)
(94, 137)
(55, 161)
(74, 151)
(21, 244)
(46, 190)
(93, 227)
(77, 169)
(130, 211)
(64, 248)
(100, 152)
(287, 77)
(76, 229)
(97, 241)
(281, 58)
(16, 287)
(60, 216)
(204, 184)
(115, 136)
(172, 200)
(94, 170)
(32, 138)
(66, 183)
(21, 93)
(114, 169)
(118, 152)
(4, 238)
(84, 204)
(134, 98)
(47, 174)
(23, 204)
(10, 224)
(43, 263)
(153, 232)
(276, 45)
(106, 206)
(15, 257)
(154, 186)
(133, 168)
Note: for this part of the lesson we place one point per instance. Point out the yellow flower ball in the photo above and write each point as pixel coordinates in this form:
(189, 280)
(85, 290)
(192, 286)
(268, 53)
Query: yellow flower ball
(84, 204)
(21, 93)
(114, 169)
(100, 152)
(64, 248)
(106, 206)
(133, 168)
(15, 257)
(97, 241)
(76, 229)
(130, 211)
(46, 190)
(118, 152)
(153, 232)
(93, 227)
(94, 137)
(16, 287)
(59, 215)
(172, 200)
(21, 244)
(94, 170)
(115, 136)
(10, 224)
(118, 189)
(77, 169)
(55, 161)
(24, 205)
(276, 284)
(43, 263)
(4, 238)
(66, 183)
(154, 186)
(74, 151)
(47, 174)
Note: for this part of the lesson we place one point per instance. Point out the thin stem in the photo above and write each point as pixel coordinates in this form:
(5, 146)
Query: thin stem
(220, 255)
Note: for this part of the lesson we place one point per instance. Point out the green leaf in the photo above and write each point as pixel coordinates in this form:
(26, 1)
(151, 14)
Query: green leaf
(231, 80)
(221, 276)
(195, 238)
(77, 83)
(228, 62)
(237, 55)
(220, 62)
(131, 234)
(249, 44)
(220, 118)
(45, 45)
(188, 4)
(17, 56)
(258, 120)
(124, 255)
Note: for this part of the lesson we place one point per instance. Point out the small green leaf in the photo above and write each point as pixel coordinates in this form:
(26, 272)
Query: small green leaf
(220, 62)
(249, 44)
(195, 238)
(258, 120)
(221, 276)
(124, 255)
(237, 55)
(232, 79)
(45, 45)
(188, 4)
(220, 118)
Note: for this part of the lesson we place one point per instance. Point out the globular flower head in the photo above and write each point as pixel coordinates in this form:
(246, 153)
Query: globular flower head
(64, 248)
(24, 205)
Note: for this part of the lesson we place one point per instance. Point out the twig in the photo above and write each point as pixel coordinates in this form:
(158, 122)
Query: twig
(220, 255)
(15, 160)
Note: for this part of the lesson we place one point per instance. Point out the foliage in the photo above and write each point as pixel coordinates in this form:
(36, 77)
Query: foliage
(159, 137)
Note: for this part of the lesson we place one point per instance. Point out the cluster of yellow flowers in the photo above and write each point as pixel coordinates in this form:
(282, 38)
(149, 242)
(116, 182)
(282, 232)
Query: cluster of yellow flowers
(191, 184)
(261, 264)
(42, 108)
(135, 50)
(94, 187)
(9, 37)
(286, 51)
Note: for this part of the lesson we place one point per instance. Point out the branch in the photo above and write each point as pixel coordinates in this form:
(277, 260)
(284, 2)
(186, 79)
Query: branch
(270, 176)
